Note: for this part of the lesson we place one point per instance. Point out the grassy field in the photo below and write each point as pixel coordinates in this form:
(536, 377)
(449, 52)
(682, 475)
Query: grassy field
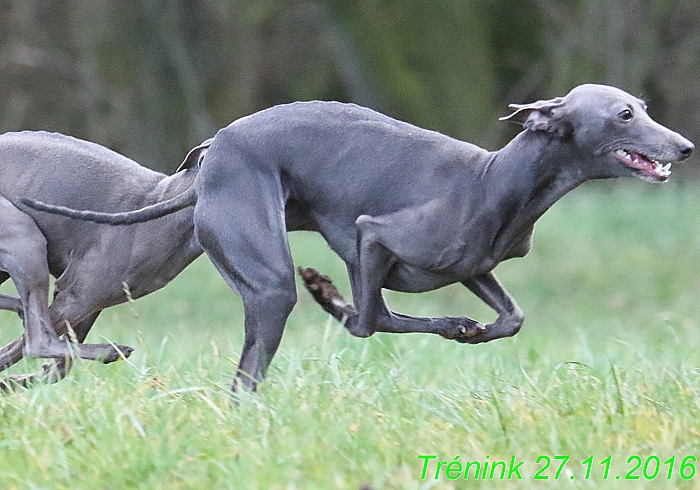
(607, 365)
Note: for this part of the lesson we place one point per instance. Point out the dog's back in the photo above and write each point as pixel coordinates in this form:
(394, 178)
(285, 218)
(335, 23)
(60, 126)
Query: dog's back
(339, 161)
(68, 170)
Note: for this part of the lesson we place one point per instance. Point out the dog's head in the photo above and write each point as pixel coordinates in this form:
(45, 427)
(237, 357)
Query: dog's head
(612, 127)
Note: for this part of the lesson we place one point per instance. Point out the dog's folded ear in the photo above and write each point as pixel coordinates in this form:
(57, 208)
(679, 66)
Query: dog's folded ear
(196, 155)
(543, 115)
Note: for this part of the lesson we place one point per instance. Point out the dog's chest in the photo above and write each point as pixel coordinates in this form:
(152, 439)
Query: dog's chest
(520, 246)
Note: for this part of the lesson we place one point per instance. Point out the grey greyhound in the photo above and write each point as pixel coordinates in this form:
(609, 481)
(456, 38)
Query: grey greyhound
(407, 209)
(95, 266)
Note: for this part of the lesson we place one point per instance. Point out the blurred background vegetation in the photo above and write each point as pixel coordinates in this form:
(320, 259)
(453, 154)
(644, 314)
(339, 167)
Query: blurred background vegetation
(151, 78)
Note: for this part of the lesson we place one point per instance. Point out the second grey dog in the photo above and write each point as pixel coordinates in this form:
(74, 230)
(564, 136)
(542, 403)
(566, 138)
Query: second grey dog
(407, 209)
(95, 266)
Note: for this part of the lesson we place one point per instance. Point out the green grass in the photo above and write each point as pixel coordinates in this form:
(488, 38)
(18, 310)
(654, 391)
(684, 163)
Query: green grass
(607, 364)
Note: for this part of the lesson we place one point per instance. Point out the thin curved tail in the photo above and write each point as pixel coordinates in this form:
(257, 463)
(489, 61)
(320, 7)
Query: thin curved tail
(158, 210)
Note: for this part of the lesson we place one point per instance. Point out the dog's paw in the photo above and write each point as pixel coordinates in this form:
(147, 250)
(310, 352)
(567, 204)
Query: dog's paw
(463, 330)
(116, 353)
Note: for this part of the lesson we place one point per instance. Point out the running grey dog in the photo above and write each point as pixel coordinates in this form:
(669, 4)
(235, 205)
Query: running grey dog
(95, 266)
(407, 209)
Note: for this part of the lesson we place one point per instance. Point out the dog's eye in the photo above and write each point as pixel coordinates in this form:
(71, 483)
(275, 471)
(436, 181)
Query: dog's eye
(625, 115)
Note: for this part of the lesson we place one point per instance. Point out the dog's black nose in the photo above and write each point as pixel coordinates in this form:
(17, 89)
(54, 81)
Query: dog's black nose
(687, 150)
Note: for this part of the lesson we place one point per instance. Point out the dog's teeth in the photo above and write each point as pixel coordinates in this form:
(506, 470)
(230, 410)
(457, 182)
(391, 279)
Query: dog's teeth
(624, 154)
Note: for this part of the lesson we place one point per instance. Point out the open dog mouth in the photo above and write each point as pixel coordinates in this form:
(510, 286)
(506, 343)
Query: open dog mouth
(647, 168)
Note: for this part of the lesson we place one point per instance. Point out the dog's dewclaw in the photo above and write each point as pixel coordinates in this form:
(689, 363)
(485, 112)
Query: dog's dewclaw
(472, 330)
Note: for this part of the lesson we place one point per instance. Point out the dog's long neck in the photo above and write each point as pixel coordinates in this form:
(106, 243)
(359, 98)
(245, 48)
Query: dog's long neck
(530, 174)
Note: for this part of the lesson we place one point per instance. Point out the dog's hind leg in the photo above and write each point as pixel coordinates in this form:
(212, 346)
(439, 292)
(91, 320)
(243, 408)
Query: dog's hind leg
(265, 282)
(248, 245)
(56, 369)
(11, 353)
(23, 257)
(63, 310)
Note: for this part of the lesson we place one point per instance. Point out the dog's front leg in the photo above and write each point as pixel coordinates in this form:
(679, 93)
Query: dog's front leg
(387, 321)
(510, 316)
(462, 329)
(369, 314)
(12, 352)
(367, 280)
(381, 243)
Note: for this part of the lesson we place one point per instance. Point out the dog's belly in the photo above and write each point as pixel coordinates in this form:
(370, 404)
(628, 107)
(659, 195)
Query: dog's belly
(409, 279)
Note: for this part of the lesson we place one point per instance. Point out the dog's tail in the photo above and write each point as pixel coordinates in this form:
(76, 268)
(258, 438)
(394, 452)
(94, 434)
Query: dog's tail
(158, 210)
(188, 198)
